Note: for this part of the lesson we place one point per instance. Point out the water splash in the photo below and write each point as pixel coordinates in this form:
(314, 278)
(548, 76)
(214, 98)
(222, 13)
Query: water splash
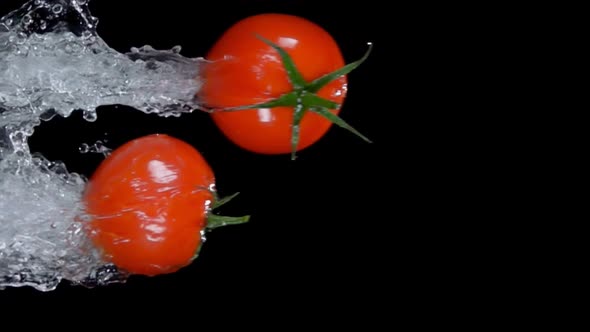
(98, 147)
(52, 62)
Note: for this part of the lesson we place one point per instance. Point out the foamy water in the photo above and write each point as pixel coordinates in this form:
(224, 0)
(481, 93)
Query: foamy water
(52, 62)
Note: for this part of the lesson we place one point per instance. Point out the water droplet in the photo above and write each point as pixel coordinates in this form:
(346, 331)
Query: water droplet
(82, 2)
(28, 131)
(84, 148)
(89, 116)
(176, 49)
(86, 34)
(18, 137)
(42, 25)
(27, 19)
(8, 22)
(56, 9)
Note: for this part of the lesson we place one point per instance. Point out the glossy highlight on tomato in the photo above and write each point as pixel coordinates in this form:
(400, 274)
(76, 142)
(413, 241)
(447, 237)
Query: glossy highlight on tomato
(149, 202)
(276, 83)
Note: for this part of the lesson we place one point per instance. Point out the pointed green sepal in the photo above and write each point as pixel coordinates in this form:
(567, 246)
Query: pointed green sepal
(313, 100)
(297, 117)
(289, 99)
(215, 221)
(293, 73)
(338, 121)
(317, 84)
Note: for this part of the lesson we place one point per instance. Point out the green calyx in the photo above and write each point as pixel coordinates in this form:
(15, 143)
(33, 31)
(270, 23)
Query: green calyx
(214, 220)
(303, 98)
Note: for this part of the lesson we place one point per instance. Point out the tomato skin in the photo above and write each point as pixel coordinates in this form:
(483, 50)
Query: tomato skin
(148, 203)
(245, 71)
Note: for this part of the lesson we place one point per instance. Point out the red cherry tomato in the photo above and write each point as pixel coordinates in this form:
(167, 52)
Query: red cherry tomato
(148, 203)
(247, 69)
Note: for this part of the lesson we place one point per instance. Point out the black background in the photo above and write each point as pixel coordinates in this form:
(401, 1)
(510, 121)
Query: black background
(322, 227)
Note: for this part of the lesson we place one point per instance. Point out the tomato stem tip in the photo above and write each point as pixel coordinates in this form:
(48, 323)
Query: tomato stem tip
(215, 221)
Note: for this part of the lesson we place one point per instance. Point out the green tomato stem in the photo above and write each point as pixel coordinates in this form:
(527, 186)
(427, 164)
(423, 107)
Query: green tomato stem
(215, 221)
(304, 96)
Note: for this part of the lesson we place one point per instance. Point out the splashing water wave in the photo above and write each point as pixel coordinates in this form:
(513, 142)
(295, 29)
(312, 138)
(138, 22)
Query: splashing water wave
(52, 62)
